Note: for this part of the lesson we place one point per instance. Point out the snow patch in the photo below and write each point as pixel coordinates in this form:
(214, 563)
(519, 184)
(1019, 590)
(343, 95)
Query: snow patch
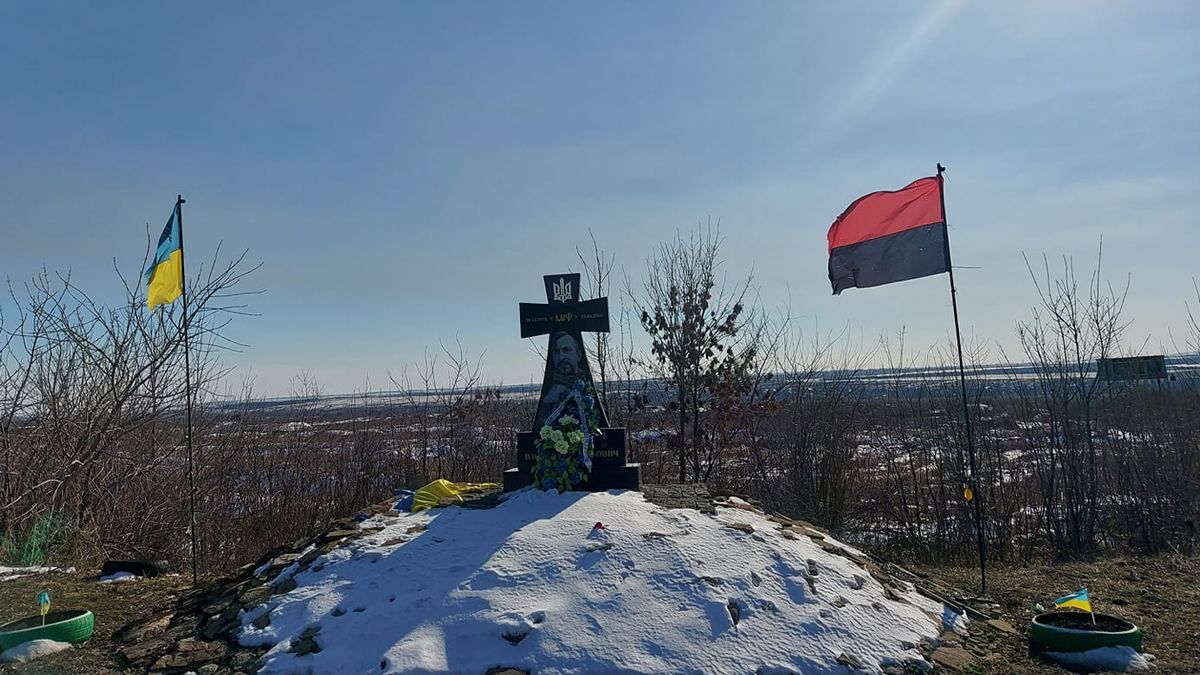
(1119, 659)
(9, 573)
(953, 621)
(28, 651)
(119, 576)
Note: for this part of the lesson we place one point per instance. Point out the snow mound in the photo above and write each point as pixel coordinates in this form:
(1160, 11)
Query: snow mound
(531, 584)
(1114, 659)
(28, 651)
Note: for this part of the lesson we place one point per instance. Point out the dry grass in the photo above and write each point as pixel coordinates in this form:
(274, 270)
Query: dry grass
(1160, 594)
(114, 605)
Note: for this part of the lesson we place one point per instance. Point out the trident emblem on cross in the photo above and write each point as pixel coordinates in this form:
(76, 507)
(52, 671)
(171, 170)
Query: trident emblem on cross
(562, 290)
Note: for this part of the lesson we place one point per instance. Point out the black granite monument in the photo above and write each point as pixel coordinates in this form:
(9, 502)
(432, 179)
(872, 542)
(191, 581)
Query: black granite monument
(565, 319)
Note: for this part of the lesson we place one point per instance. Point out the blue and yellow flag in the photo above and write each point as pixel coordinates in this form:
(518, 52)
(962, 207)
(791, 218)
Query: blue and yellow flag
(1077, 599)
(164, 279)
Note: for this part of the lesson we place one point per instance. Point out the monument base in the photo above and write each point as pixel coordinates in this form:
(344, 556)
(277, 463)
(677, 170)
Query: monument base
(610, 471)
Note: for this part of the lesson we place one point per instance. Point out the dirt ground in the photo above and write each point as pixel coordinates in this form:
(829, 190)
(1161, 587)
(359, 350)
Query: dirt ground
(1160, 594)
(114, 604)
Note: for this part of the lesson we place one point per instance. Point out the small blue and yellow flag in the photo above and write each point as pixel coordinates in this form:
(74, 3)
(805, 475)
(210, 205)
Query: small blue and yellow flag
(44, 602)
(1077, 599)
(164, 279)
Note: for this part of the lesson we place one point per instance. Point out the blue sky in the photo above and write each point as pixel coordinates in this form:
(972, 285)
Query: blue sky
(407, 171)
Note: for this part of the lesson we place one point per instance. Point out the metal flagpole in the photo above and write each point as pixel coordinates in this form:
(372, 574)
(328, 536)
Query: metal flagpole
(187, 379)
(977, 494)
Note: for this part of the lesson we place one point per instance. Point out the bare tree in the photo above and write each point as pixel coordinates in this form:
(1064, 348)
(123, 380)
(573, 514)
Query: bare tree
(696, 329)
(597, 273)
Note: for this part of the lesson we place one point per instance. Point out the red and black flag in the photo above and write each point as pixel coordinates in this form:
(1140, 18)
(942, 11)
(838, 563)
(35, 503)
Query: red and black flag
(886, 237)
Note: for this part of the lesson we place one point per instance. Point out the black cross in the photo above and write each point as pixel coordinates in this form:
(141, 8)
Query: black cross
(563, 310)
(564, 314)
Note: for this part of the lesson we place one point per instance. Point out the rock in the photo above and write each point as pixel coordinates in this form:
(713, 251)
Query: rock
(741, 527)
(338, 534)
(244, 661)
(216, 626)
(304, 647)
(262, 621)
(954, 658)
(917, 666)
(308, 558)
(254, 597)
(415, 529)
(286, 586)
(208, 669)
(949, 637)
(831, 548)
(306, 644)
(849, 660)
(148, 629)
(1002, 626)
(284, 559)
(217, 606)
(144, 649)
(190, 652)
(395, 541)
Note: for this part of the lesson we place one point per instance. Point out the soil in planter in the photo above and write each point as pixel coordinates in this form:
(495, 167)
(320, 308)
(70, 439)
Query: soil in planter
(1083, 621)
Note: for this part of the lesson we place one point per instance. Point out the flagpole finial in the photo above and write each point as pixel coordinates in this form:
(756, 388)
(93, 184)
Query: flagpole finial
(184, 201)
(940, 168)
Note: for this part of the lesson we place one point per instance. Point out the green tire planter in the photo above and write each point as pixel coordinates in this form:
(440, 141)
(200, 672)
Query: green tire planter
(70, 625)
(1073, 632)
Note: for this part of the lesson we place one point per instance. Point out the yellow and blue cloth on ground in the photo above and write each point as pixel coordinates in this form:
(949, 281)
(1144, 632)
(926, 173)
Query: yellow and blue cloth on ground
(164, 279)
(1078, 599)
(442, 490)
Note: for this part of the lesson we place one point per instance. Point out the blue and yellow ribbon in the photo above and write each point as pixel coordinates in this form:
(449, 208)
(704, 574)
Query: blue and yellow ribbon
(576, 394)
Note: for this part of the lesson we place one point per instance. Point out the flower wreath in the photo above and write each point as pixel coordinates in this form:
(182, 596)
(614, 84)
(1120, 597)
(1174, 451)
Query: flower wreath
(564, 445)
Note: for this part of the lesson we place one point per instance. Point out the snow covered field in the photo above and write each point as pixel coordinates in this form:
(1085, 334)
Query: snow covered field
(530, 584)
